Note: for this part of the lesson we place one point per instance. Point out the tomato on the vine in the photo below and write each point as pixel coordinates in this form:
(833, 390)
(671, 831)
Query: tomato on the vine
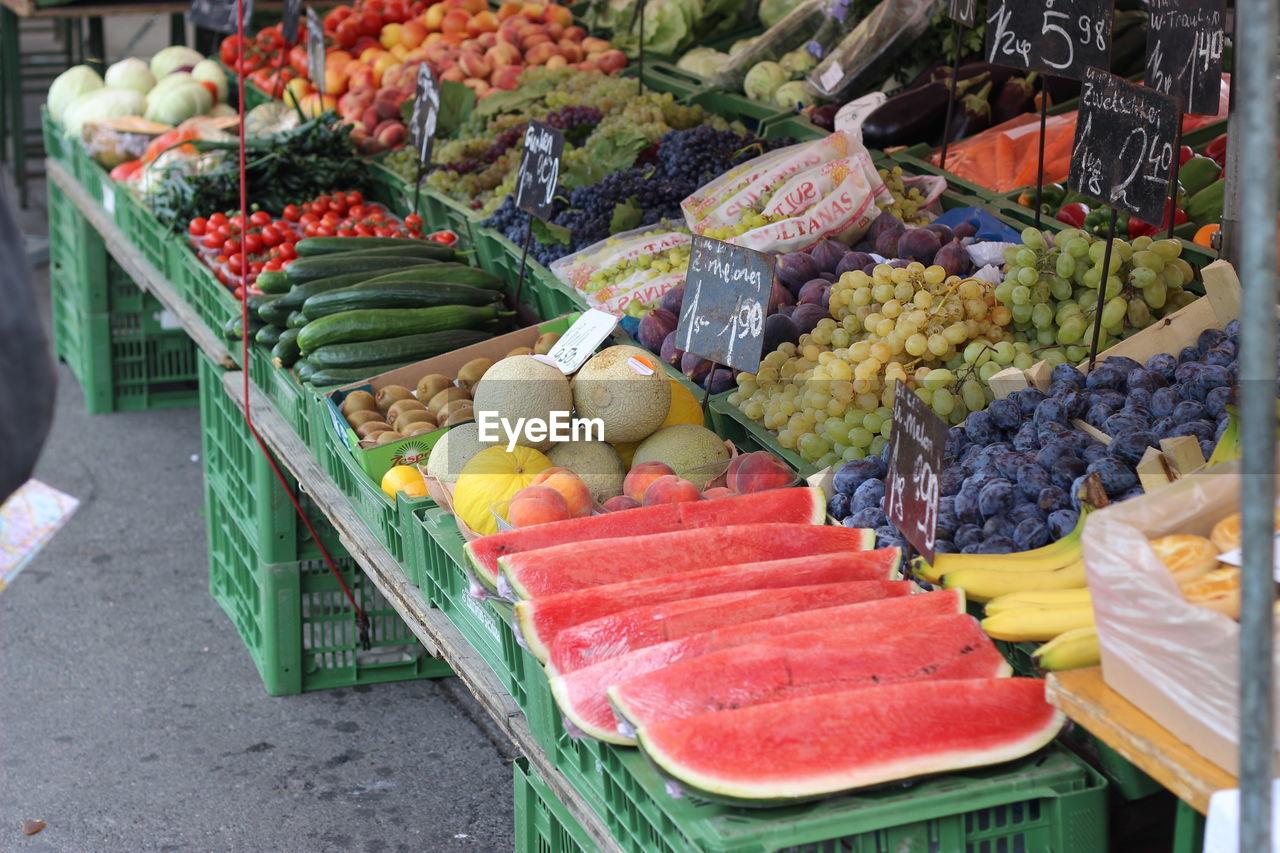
(413, 222)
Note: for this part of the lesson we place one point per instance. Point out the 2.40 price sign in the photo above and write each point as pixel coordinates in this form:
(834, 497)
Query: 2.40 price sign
(1123, 153)
(1057, 37)
(726, 295)
(913, 484)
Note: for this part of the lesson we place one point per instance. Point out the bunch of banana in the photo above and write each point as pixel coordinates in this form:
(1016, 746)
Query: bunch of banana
(1063, 617)
(1072, 649)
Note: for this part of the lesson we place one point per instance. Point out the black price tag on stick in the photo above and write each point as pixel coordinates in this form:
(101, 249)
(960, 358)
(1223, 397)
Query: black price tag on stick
(315, 50)
(911, 488)
(1184, 52)
(1123, 148)
(289, 15)
(218, 15)
(726, 297)
(426, 110)
(1057, 37)
(963, 12)
(539, 169)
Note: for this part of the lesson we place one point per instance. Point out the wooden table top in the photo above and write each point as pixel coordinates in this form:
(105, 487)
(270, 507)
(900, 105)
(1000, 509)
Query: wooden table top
(1084, 697)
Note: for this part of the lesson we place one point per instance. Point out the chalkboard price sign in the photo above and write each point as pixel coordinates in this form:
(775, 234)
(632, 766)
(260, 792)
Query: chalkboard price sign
(315, 50)
(539, 169)
(726, 296)
(218, 15)
(289, 15)
(1184, 52)
(963, 11)
(1057, 37)
(426, 108)
(1123, 148)
(912, 486)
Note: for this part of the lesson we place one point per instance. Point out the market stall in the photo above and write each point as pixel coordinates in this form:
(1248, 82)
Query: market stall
(860, 408)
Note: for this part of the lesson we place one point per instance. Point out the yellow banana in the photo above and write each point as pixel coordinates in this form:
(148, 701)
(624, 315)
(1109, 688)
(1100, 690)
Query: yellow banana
(1037, 623)
(1038, 598)
(1072, 649)
(982, 585)
(1055, 555)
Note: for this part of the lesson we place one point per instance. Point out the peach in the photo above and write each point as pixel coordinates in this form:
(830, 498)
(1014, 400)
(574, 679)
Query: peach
(391, 133)
(556, 61)
(370, 55)
(612, 60)
(382, 64)
(413, 33)
(370, 146)
(570, 486)
(533, 11)
(595, 45)
(432, 37)
(717, 492)
(364, 43)
(639, 478)
(487, 40)
(570, 50)
(502, 54)
(370, 119)
(481, 87)
(506, 10)
(453, 75)
(506, 76)
(362, 78)
(390, 35)
(508, 35)
(474, 7)
(587, 66)
(534, 39)
(434, 16)
(539, 53)
(619, 503)
(474, 65)
(575, 32)
(558, 14)
(483, 22)
(758, 472)
(296, 89)
(387, 103)
(670, 489)
(537, 505)
(338, 58)
(455, 21)
(554, 30)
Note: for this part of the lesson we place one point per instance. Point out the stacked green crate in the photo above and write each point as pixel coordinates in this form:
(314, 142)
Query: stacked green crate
(543, 824)
(268, 575)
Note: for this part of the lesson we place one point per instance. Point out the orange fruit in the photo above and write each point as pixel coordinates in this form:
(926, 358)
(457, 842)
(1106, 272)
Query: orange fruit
(1186, 556)
(404, 478)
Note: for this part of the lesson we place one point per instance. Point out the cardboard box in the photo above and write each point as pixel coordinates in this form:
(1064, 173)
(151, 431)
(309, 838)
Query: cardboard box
(376, 461)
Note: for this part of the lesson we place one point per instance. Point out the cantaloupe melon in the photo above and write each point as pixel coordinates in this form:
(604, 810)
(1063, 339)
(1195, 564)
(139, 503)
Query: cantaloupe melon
(595, 462)
(692, 451)
(522, 387)
(493, 476)
(454, 450)
(631, 398)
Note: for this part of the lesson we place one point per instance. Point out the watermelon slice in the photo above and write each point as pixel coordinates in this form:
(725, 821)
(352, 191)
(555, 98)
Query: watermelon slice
(627, 630)
(803, 505)
(540, 619)
(582, 695)
(577, 565)
(809, 664)
(821, 745)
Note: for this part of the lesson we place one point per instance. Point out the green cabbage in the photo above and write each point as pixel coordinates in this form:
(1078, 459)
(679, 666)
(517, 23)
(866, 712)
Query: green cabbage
(798, 62)
(702, 61)
(794, 95)
(763, 80)
(208, 71)
(175, 104)
(772, 11)
(68, 86)
(174, 58)
(100, 103)
(131, 73)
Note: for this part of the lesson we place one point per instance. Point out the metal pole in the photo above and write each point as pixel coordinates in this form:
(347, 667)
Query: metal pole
(1255, 70)
(1230, 246)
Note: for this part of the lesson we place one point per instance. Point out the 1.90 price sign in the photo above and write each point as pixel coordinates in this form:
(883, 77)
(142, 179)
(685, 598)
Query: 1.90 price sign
(1123, 153)
(913, 484)
(726, 295)
(1057, 37)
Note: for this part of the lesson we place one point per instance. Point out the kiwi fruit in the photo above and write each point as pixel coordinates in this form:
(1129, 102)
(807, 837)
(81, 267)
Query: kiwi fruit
(457, 412)
(386, 437)
(471, 372)
(391, 394)
(519, 351)
(432, 384)
(399, 407)
(413, 416)
(419, 428)
(358, 401)
(445, 397)
(544, 343)
(362, 417)
(368, 428)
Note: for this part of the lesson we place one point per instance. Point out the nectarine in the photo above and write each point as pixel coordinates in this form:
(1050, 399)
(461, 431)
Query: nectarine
(670, 489)
(641, 476)
(536, 505)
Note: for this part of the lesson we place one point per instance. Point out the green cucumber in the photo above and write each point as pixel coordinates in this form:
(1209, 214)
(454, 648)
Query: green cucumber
(296, 320)
(303, 368)
(312, 246)
(371, 324)
(428, 252)
(448, 273)
(286, 352)
(304, 270)
(299, 293)
(273, 312)
(272, 281)
(396, 294)
(232, 328)
(328, 377)
(268, 335)
(410, 347)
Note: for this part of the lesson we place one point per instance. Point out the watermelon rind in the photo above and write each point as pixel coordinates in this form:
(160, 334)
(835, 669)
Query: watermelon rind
(566, 707)
(838, 781)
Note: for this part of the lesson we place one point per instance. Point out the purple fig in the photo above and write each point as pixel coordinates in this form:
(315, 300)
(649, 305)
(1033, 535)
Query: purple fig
(668, 351)
(945, 234)
(654, 327)
(694, 366)
(852, 261)
(719, 380)
(778, 330)
(919, 244)
(870, 268)
(672, 300)
(806, 316)
(827, 255)
(816, 292)
(884, 222)
(887, 244)
(954, 258)
(795, 268)
(786, 311)
(779, 296)
(965, 229)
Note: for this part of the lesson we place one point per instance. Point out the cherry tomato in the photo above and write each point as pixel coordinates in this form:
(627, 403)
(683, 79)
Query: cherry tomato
(291, 213)
(271, 265)
(363, 230)
(256, 267)
(385, 232)
(447, 238)
(357, 211)
(211, 241)
(230, 246)
(260, 217)
(345, 232)
(198, 227)
(271, 236)
(288, 251)
(324, 231)
(253, 243)
(355, 197)
(235, 262)
(307, 218)
(218, 219)
(413, 222)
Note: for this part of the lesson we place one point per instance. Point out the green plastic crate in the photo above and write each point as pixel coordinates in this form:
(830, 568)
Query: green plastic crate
(56, 145)
(282, 387)
(148, 235)
(236, 469)
(730, 423)
(543, 824)
(542, 292)
(200, 288)
(1051, 802)
(794, 125)
(662, 76)
(77, 249)
(734, 106)
(913, 160)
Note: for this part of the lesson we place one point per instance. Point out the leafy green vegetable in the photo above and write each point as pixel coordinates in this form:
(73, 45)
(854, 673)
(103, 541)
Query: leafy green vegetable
(605, 154)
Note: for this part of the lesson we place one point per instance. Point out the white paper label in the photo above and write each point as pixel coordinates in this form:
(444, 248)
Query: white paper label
(831, 78)
(168, 320)
(1222, 829)
(109, 199)
(1236, 558)
(854, 113)
(577, 345)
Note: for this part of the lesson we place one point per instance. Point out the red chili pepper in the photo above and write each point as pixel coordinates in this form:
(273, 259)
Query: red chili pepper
(1184, 154)
(1071, 214)
(1138, 228)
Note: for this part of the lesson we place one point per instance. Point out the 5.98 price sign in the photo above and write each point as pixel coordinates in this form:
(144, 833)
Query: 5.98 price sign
(1057, 37)
(1123, 153)
(913, 484)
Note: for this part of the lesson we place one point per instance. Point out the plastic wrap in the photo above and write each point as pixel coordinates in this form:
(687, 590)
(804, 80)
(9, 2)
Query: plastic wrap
(815, 24)
(635, 292)
(850, 69)
(1177, 661)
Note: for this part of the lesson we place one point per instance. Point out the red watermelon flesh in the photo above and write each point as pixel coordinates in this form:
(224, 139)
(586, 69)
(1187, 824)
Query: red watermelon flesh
(582, 694)
(577, 565)
(801, 505)
(540, 619)
(820, 745)
(809, 664)
(621, 632)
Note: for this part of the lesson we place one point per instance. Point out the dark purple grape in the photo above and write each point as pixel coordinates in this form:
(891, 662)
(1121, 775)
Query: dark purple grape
(1116, 476)
(1030, 533)
(996, 498)
(1062, 522)
(838, 506)
(998, 525)
(1052, 498)
(967, 534)
(1130, 446)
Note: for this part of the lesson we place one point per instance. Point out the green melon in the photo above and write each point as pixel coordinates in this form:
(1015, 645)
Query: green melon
(693, 452)
(630, 398)
(523, 387)
(454, 450)
(595, 462)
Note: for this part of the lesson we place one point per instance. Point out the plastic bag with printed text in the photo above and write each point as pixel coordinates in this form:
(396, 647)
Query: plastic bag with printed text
(627, 273)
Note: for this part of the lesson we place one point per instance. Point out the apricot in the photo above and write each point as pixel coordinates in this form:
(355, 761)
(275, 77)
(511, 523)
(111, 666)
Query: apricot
(507, 10)
(618, 503)
(483, 22)
(540, 53)
(537, 505)
(390, 35)
(533, 40)
(480, 87)
(413, 33)
(487, 40)
(554, 30)
(570, 486)
(570, 50)
(474, 65)
(391, 133)
(670, 489)
(555, 13)
(434, 16)
(506, 77)
(502, 54)
(595, 45)
(641, 476)
(533, 11)
(474, 7)
(453, 75)
(556, 61)
(455, 21)
(758, 472)
(369, 55)
(575, 32)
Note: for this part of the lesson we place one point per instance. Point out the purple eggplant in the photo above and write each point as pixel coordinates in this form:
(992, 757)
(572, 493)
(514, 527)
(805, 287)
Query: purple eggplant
(915, 115)
(1015, 98)
(972, 114)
